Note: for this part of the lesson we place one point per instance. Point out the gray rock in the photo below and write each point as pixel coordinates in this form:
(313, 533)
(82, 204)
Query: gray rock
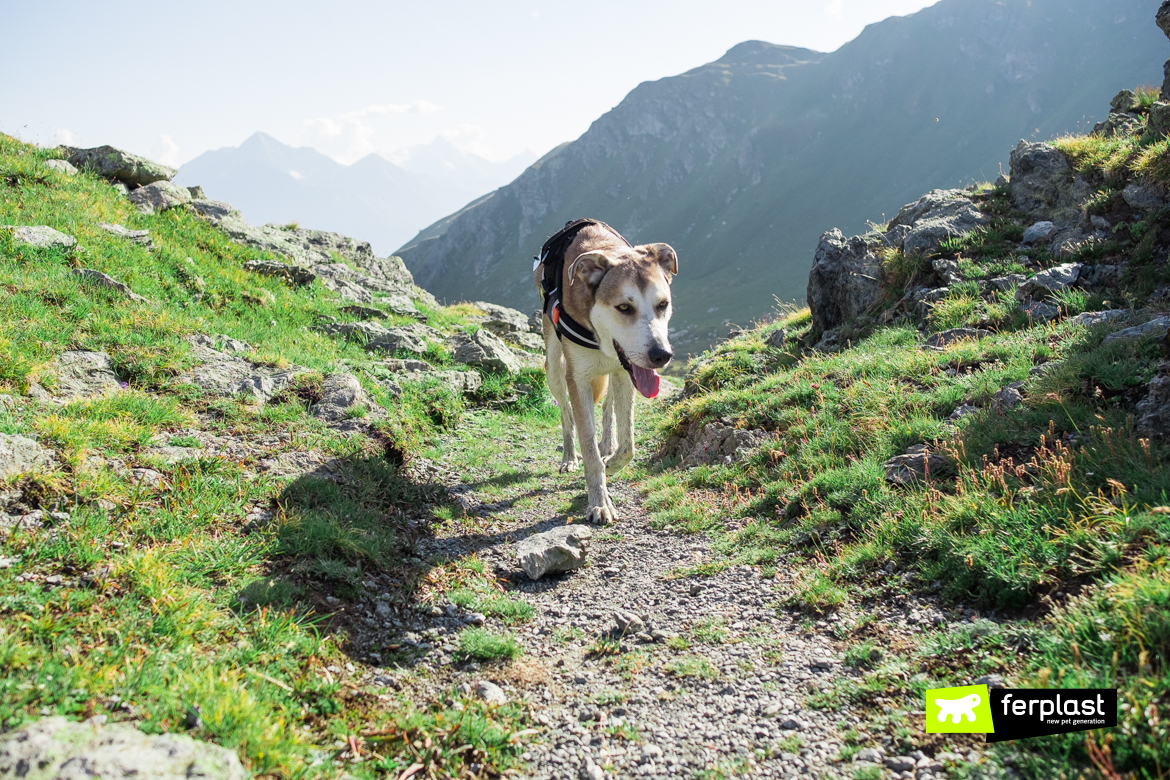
(991, 681)
(197, 193)
(1118, 124)
(292, 274)
(82, 374)
(364, 332)
(364, 312)
(140, 237)
(500, 319)
(559, 550)
(871, 755)
(590, 771)
(845, 280)
(1041, 179)
(61, 166)
(1106, 276)
(111, 163)
(1091, 318)
(1142, 197)
(628, 623)
(792, 724)
(55, 749)
(1052, 280)
(936, 216)
(915, 466)
(1125, 102)
(101, 280)
(406, 338)
(955, 335)
(483, 350)
(227, 375)
(961, 411)
(525, 340)
(159, 196)
(1162, 18)
(221, 342)
(900, 763)
(777, 338)
(1153, 411)
(39, 237)
(1007, 398)
(1039, 312)
(339, 393)
(20, 454)
(1007, 283)
(1155, 327)
(146, 477)
(490, 692)
(1159, 123)
(402, 306)
(1040, 231)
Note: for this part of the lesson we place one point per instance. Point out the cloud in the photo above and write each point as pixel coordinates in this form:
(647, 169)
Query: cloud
(66, 137)
(834, 9)
(351, 135)
(166, 151)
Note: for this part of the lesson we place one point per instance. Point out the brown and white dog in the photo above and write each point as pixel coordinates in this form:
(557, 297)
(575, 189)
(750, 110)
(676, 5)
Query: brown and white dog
(623, 294)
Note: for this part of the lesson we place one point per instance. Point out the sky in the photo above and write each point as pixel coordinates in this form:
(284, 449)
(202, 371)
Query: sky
(496, 78)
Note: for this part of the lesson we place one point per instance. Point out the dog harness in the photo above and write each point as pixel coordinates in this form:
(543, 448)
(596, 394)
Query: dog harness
(552, 254)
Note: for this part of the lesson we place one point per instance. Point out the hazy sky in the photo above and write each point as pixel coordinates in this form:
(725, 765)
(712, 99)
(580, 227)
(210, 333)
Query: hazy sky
(171, 80)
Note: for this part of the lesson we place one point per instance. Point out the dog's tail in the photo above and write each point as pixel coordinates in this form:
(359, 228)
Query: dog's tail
(599, 384)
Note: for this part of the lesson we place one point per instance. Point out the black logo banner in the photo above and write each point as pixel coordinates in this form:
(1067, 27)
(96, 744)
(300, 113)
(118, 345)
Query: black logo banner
(1020, 713)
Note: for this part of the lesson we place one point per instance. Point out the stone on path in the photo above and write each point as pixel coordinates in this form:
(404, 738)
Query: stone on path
(39, 237)
(552, 552)
(56, 748)
(111, 163)
(102, 280)
(628, 622)
(20, 454)
(490, 692)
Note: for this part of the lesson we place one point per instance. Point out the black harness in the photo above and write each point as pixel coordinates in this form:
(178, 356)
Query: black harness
(552, 254)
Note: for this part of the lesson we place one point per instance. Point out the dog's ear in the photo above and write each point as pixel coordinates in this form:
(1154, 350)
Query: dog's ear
(590, 267)
(666, 257)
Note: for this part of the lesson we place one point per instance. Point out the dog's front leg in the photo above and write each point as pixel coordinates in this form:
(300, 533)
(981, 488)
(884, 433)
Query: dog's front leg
(555, 368)
(600, 511)
(621, 393)
(608, 436)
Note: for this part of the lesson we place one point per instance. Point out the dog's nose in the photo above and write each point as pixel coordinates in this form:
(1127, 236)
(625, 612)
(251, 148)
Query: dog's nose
(658, 356)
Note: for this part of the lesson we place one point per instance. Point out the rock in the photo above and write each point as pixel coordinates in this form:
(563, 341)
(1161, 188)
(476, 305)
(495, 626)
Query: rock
(82, 374)
(39, 237)
(1125, 101)
(915, 466)
(1159, 122)
(552, 552)
(845, 280)
(197, 193)
(139, 237)
(147, 477)
(1040, 231)
(792, 724)
(221, 342)
(955, 335)
(363, 332)
(159, 196)
(339, 393)
(490, 692)
(525, 340)
(483, 350)
(111, 163)
(101, 280)
(1041, 179)
(590, 771)
(628, 623)
(227, 375)
(1007, 398)
(1118, 125)
(1162, 18)
(20, 454)
(500, 319)
(57, 748)
(1101, 276)
(900, 763)
(936, 216)
(868, 754)
(718, 441)
(1007, 283)
(1153, 411)
(650, 752)
(61, 166)
(402, 306)
(1091, 318)
(364, 312)
(1142, 197)
(1039, 312)
(1155, 327)
(292, 274)
(1043, 284)
(777, 339)
(407, 338)
(991, 681)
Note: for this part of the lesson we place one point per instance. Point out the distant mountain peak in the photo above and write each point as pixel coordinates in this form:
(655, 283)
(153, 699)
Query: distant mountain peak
(764, 53)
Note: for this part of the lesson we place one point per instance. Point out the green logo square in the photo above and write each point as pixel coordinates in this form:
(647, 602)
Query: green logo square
(964, 710)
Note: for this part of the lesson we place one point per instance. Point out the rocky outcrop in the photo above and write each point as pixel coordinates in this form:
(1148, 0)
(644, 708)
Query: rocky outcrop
(159, 196)
(483, 350)
(56, 748)
(718, 442)
(553, 552)
(102, 280)
(39, 237)
(139, 237)
(117, 165)
(218, 373)
(20, 455)
(845, 280)
(1043, 184)
(83, 374)
(936, 216)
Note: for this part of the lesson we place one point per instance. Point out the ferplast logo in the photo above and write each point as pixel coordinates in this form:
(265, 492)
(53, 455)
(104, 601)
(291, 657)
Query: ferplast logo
(963, 710)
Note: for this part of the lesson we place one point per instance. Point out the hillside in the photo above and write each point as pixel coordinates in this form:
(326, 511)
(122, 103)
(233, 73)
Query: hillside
(372, 199)
(742, 163)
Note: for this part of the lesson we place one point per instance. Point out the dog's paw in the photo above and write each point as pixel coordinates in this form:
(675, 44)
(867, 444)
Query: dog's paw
(568, 464)
(602, 514)
(618, 461)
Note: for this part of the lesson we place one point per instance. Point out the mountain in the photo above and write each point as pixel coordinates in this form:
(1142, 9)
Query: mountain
(742, 163)
(372, 199)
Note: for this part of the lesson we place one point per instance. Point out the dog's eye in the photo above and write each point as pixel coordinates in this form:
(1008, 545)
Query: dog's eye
(662, 306)
(624, 308)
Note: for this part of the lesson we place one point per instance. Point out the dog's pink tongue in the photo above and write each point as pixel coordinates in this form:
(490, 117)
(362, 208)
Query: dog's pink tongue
(646, 380)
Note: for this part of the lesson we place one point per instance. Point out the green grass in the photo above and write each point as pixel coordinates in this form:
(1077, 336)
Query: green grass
(485, 645)
(692, 666)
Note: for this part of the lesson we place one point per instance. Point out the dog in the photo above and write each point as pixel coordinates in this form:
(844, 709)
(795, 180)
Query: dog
(619, 295)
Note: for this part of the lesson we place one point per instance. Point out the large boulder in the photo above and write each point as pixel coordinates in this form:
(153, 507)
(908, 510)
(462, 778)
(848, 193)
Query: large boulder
(56, 749)
(1159, 326)
(936, 216)
(1142, 197)
(83, 374)
(159, 196)
(20, 454)
(39, 237)
(845, 280)
(407, 338)
(221, 374)
(1044, 185)
(484, 350)
(339, 394)
(1049, 281)
(552, 552)
(111, 163)
(292, 274)
(501, 320)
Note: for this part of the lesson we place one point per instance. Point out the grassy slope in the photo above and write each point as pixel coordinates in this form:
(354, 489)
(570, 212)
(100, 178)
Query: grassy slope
(193, 606)
(1052, 515)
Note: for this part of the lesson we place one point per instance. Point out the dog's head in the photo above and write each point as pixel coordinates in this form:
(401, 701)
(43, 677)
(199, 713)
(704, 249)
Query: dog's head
(630, 308)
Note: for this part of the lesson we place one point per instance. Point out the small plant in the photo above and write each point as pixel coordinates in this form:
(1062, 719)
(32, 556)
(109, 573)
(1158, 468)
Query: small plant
(692, 666)
(710, 631)
(678, 642)
(184, 441)
(484, 645)
(605, 646)
(863, 655)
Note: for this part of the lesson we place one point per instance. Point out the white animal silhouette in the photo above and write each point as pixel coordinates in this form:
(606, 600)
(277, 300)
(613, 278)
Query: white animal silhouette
(958, 708)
